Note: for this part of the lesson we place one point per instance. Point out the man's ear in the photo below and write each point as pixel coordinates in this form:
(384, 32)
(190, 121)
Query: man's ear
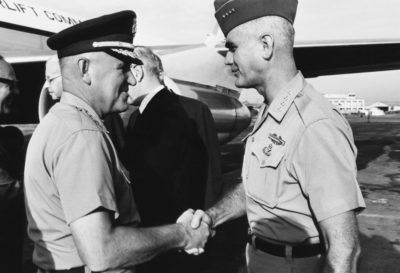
(138, 72)
(83, 65)
(161, 76)
(268, 46)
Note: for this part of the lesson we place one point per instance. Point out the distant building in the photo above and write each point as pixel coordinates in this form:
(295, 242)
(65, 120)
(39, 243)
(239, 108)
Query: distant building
(347, 104)
(375, 111)
(395, 108)
(379, 105)
(379, 108)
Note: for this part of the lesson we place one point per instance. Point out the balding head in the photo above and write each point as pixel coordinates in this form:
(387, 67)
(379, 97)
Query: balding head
(53, 82)
(53, 67)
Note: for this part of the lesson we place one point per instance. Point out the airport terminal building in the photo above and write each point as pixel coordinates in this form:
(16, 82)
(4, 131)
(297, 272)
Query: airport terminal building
(347, 104)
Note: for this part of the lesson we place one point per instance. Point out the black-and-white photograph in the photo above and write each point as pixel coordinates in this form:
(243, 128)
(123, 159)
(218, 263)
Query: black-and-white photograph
(212, 136)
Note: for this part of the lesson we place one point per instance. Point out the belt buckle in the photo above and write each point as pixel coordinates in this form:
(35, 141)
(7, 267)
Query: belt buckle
(252, 238)
(288, 252)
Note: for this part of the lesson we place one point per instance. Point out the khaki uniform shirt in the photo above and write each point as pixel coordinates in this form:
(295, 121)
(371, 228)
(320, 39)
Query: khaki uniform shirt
(299, 166)
(71, 170)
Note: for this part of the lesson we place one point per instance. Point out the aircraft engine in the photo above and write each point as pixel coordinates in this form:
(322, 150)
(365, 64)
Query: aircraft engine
(231, 116)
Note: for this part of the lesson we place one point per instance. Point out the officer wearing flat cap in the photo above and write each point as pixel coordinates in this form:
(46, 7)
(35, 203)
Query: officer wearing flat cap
(299, 171)
(81, 212)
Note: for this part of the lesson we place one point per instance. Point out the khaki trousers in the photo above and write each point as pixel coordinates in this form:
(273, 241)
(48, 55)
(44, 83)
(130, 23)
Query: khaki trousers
(261, 262)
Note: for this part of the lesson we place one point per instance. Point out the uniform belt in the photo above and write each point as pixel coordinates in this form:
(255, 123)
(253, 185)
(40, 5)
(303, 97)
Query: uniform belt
(80, 269)
(298, 251)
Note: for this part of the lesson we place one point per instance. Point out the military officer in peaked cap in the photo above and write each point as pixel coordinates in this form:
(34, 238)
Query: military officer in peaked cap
(81, 212)
(299, 171)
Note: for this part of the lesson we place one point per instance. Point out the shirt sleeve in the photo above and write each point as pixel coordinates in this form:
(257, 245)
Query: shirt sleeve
(83, 170)
(325, 165)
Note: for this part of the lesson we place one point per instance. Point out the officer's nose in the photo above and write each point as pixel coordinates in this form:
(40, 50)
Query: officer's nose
(229, 58)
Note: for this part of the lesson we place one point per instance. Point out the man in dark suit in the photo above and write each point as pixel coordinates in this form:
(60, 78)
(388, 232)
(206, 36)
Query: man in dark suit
(172, 155)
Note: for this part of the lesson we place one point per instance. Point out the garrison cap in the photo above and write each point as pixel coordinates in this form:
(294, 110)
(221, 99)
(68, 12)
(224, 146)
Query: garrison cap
(231, 13)
(112, 34)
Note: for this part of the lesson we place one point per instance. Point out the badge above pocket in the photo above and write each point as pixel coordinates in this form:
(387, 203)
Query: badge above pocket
(268, 153)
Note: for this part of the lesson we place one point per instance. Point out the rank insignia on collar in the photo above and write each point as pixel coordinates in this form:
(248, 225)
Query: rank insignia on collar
(277, 140)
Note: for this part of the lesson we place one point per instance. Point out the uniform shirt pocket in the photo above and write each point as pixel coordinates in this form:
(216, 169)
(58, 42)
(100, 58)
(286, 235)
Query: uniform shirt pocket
(263, 182)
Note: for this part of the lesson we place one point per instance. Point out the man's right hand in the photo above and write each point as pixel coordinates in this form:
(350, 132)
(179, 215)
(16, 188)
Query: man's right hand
(200, 217)
(197, 237)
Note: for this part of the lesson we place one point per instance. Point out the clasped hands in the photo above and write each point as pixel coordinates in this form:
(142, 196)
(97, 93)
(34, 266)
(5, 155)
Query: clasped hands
(198, 227)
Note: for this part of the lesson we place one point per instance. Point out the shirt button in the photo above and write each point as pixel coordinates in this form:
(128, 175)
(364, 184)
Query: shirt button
(252, 139)
(263, 162)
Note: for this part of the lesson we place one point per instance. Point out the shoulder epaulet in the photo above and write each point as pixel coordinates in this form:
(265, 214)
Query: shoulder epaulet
(75, 119)
(308, 105)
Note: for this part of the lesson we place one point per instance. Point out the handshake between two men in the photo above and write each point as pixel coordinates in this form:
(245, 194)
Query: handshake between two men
(199, 227)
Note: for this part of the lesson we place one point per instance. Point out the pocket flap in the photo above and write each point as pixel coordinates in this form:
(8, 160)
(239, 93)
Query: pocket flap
(268, 154)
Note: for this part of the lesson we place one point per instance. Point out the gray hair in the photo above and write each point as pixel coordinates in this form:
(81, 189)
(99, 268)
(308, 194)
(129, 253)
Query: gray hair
(151, 61)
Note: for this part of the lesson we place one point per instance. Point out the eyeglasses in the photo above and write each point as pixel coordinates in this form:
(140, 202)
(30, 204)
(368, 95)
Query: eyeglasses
(10, 83)
(50, 79)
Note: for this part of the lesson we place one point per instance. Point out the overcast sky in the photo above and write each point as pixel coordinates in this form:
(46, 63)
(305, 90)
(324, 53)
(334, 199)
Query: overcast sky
(188, 21)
